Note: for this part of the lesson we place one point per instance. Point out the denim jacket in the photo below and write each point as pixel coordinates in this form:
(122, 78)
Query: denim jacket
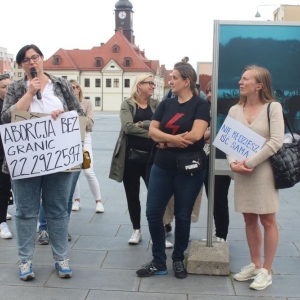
(62, 89)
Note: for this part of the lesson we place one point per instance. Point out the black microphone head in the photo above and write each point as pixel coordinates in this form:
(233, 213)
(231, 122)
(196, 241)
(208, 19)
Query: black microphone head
(33, 72)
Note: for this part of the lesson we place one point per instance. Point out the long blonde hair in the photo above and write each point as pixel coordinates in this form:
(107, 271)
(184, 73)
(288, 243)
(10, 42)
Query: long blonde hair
(263, 76)
(80, 96)
(135, 93)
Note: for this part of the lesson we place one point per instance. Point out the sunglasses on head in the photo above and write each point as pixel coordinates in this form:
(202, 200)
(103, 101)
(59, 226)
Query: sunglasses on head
(4, 76)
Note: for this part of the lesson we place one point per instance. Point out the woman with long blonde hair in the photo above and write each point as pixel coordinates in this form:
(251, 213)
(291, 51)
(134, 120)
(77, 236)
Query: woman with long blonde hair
(133, 147)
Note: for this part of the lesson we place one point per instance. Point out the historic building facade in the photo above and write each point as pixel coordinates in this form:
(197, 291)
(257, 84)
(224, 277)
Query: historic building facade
(107, 72)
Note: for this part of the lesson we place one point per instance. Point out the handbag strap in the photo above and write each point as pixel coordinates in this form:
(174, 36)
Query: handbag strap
(286, 123)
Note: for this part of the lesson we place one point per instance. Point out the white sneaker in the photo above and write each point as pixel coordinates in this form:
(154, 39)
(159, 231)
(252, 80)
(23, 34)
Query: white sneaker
(168, 244)
(76, 205)
(99, 207)
(261, 280)
(215, 239)
(136, 237)
(248, 272)
(4, 231)
(8, 216)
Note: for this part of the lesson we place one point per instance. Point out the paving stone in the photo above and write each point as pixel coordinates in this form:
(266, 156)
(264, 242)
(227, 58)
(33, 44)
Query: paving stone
(102, 279)
(30, 293)
(193, 284)
(109, 243)
(104, 295)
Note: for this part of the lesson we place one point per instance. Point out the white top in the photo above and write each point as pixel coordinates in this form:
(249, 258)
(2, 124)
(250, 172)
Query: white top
(48, 103)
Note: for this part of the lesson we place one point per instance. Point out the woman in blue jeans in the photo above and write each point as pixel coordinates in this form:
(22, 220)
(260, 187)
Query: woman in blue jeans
(178, 126)
(57, 96)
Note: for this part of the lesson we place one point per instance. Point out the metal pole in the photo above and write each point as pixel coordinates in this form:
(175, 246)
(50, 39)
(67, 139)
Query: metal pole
(213, 126)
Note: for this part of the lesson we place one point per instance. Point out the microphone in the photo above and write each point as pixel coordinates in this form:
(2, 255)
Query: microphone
(33, 74)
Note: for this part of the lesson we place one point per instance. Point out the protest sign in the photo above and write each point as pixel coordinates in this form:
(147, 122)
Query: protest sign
(237, 140)
(42, 145)
(19, 115)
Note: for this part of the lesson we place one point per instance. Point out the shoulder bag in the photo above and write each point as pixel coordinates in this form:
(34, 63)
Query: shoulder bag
(286, 162)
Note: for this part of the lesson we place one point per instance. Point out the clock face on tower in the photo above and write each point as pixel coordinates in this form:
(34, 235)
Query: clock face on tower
(122, 14)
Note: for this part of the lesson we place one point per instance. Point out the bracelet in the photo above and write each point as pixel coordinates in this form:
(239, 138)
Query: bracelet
(166, 145)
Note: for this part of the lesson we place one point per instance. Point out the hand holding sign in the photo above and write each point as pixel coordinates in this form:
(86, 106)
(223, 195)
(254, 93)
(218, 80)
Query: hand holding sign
(237, 140)
(42, 146)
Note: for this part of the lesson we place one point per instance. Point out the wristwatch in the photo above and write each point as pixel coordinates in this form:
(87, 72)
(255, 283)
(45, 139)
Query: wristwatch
(140, 124)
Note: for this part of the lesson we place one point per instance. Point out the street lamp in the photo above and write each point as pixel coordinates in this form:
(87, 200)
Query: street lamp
(257, 15)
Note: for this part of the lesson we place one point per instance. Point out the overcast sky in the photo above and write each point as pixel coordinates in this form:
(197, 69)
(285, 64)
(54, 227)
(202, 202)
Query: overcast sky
(168, 30)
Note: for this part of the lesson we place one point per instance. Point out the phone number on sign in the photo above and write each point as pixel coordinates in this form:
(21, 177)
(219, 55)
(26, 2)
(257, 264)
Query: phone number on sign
(38, 164)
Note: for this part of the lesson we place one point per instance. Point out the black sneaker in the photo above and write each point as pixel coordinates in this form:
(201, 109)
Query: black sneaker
(151, 269)
(69, 237)
(43, 238)
(179, 269)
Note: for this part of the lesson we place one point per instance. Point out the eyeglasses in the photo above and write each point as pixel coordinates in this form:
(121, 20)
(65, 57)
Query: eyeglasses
(151, 83)
(4, 76)
(34, 58)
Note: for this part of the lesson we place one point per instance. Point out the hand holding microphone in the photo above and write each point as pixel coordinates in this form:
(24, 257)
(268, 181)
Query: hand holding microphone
(33, 74)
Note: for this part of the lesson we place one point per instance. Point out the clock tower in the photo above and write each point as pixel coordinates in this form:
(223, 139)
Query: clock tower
(124, 15)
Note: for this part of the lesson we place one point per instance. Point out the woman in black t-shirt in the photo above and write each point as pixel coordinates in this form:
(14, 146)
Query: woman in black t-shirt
(178, 126)
(133, 147)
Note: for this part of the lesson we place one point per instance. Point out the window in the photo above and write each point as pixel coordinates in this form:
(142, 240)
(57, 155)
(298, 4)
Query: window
(86, 82)
(56, 61)
(127, 83)
(115, 49)
(127, 62)
(108, 82)
(98, 61)
(97, 101)
(97, 82)
(19, 74)
(19, 67)
(116, 82)
(64, 77)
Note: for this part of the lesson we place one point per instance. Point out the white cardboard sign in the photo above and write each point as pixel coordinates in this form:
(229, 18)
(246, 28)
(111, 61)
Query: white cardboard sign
(42, 146)
(237, 140)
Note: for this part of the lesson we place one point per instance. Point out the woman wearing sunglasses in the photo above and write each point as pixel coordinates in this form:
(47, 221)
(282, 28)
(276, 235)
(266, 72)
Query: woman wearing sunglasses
(88, 173)
(57, 96)
(133, 147)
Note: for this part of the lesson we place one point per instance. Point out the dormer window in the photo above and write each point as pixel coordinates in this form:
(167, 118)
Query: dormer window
(127, 61)
(98, 61)
(56, 60)
(115, 49)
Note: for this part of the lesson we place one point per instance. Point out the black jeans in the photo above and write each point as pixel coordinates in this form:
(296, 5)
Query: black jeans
(5, 193)
(221, 211)
(131, 180)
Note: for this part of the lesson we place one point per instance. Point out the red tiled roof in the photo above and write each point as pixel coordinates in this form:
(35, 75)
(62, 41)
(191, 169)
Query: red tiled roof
(84, 60)
(168, 77)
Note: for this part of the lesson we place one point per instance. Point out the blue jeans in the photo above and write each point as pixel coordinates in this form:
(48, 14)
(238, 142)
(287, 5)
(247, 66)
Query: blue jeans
(55, 191)
(163, 184)
(42, 217)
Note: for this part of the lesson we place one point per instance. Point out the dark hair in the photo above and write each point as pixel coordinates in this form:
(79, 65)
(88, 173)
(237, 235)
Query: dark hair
(187, 72)
(21, 54)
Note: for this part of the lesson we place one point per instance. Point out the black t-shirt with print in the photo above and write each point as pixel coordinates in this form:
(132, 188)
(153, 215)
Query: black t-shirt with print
(176, 118)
